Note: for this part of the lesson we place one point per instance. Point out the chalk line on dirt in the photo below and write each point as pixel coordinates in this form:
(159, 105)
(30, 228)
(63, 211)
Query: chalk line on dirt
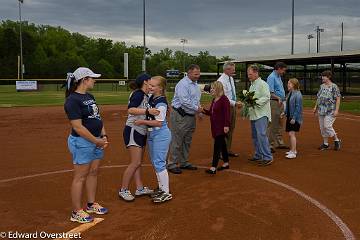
(347, 233)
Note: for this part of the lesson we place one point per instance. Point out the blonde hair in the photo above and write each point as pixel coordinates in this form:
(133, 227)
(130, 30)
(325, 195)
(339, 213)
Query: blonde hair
(162, 83)
(218, 87)
(295, 83)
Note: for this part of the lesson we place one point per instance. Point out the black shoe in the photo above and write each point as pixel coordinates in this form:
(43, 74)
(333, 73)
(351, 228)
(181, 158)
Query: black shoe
(209, 171)
(175, 170)
(272, 150)
(231, 154)
(323, 147)
(264, 163)
(254, 160)
(189, 167)
(162, 197)
(223, 168)
(337, 145)
(156, 192)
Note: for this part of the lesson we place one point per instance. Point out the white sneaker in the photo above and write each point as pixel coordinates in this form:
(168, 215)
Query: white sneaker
(287, 153)
(144, 191)
(291, 155)
(126, 195)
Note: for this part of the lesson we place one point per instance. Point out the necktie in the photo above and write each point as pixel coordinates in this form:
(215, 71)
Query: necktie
(232, 90)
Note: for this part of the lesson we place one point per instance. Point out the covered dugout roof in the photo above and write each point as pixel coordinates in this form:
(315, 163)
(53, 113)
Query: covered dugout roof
(306, 59)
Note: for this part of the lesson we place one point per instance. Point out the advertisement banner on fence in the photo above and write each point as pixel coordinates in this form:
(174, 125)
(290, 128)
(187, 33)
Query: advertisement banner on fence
(26, 86)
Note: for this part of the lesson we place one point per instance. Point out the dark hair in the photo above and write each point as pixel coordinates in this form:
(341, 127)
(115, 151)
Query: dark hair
(139, 81)
(134, 86)
(73, 85)
(327, 74)
(279, 65)
(192, 67)
(254, 67)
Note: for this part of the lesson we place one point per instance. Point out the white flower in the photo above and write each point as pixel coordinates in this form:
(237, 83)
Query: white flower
(244, 92)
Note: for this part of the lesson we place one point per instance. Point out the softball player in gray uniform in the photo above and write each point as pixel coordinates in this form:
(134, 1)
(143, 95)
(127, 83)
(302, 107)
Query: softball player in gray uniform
(135, 137)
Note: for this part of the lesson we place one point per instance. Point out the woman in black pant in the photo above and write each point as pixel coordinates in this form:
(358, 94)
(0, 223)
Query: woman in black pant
(219, 113)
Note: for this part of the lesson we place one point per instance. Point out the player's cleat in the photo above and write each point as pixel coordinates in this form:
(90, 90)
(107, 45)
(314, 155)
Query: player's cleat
(126, 195)
(143, 191)
(287, 153)
(323, 147)
(81, 217)
(156, 192)
(162, 197)
(337, 145)
(97, 209)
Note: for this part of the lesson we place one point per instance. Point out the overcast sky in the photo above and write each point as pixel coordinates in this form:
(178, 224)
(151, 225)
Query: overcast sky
(236, 28)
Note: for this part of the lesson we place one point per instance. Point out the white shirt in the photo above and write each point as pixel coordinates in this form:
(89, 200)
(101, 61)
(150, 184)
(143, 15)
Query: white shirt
(229, 88)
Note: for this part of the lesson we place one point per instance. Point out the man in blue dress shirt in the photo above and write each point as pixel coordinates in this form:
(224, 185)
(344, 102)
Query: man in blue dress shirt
(185, 105)
(277, 98)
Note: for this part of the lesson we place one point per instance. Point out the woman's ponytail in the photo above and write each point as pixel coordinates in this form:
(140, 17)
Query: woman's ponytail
(71, 84)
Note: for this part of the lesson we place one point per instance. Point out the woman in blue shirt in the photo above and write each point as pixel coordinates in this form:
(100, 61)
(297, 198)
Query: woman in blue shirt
(86, 142)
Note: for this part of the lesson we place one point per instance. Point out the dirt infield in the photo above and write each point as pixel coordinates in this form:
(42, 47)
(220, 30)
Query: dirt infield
(230, 205)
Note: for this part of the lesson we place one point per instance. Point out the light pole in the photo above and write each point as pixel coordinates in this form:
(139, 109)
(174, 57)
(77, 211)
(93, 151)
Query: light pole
(184, 41)
(21, 48)
(310, 36)
(318, 30)
(342, 37)
(144, 59)
(292, 26)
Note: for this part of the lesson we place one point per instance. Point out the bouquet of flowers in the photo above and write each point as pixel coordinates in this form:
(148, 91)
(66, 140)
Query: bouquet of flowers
(248, 100)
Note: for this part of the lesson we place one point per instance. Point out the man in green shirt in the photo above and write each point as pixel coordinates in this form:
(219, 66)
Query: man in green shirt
(260, 116)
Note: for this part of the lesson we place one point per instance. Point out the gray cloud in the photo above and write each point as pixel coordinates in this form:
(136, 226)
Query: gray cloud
(236, 28)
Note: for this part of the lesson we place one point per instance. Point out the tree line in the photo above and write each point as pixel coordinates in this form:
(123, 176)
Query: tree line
(51, 52)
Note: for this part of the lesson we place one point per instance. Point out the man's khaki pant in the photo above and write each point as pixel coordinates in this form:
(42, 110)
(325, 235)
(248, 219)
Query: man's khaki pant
(229, 136)
(275, 128)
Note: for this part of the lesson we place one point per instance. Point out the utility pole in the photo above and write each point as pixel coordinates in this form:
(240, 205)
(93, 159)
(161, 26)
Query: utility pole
(318, 30)
(342, 37)
(292, 27)
(144, 44)
(184, 41)
(21, 47)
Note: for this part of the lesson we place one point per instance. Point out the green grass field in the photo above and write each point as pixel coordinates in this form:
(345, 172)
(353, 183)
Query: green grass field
(10, 98)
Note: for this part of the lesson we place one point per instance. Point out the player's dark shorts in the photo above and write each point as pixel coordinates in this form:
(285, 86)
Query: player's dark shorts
(133, 138)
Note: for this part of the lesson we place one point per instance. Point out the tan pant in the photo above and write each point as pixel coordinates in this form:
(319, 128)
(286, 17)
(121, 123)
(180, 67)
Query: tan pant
(229, 136)
(326, 126)
(182, 129)
(275, 128)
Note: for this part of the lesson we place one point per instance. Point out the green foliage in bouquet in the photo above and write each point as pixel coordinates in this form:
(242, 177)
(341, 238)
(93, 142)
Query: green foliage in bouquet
(248, 100)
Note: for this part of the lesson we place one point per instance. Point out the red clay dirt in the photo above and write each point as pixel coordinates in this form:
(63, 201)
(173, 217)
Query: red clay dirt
(225, 206)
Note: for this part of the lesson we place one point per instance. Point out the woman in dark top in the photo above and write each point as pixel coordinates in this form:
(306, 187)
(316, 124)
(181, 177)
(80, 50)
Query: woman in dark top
(135, 137)
(86, 142)
(159, 137)
(219, 113)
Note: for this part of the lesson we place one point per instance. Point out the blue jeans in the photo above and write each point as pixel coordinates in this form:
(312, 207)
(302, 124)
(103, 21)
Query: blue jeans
(159, 141)
(260, 139)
